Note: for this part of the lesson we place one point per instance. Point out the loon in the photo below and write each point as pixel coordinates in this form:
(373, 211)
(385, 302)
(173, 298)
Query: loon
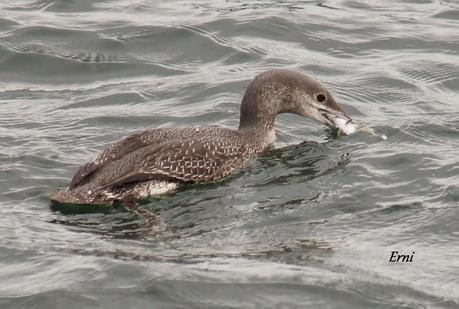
(161, 160)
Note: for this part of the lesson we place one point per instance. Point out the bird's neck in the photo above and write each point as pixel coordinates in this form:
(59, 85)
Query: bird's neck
(259, 108)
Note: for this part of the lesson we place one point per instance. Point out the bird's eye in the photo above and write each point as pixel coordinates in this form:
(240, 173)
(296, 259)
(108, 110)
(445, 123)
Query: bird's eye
(321, 97)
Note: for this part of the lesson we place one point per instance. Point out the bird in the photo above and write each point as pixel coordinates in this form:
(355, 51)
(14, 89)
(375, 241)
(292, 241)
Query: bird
(162, 160)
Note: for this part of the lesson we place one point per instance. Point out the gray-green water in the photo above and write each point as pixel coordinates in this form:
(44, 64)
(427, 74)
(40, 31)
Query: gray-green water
(308, 225)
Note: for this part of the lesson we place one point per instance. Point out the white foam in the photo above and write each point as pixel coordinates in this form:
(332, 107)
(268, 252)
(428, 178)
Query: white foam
(372, 132)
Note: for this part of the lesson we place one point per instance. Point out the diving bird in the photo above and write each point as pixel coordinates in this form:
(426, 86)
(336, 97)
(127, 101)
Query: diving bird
(161, 160)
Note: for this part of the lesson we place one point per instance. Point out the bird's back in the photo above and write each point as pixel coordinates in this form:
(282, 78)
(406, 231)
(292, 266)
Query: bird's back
(159, 158)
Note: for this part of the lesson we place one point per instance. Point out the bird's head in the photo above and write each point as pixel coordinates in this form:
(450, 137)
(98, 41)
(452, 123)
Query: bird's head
(284, 91)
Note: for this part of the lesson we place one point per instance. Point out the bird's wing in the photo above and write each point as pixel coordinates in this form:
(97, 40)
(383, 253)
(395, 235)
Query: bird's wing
(189, 160)
(119, 149)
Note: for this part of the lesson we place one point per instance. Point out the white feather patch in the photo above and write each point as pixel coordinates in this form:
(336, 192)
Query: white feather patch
(155, 187)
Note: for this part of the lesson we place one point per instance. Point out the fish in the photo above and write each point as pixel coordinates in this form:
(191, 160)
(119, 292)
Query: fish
(346, 127)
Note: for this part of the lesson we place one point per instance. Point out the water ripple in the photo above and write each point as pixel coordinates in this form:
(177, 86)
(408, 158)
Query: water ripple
(309, 224)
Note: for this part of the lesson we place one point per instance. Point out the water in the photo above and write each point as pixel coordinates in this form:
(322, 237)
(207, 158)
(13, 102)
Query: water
(311, 224)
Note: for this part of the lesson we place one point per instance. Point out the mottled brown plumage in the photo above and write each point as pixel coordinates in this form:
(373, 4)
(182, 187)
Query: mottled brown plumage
(165, 159)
